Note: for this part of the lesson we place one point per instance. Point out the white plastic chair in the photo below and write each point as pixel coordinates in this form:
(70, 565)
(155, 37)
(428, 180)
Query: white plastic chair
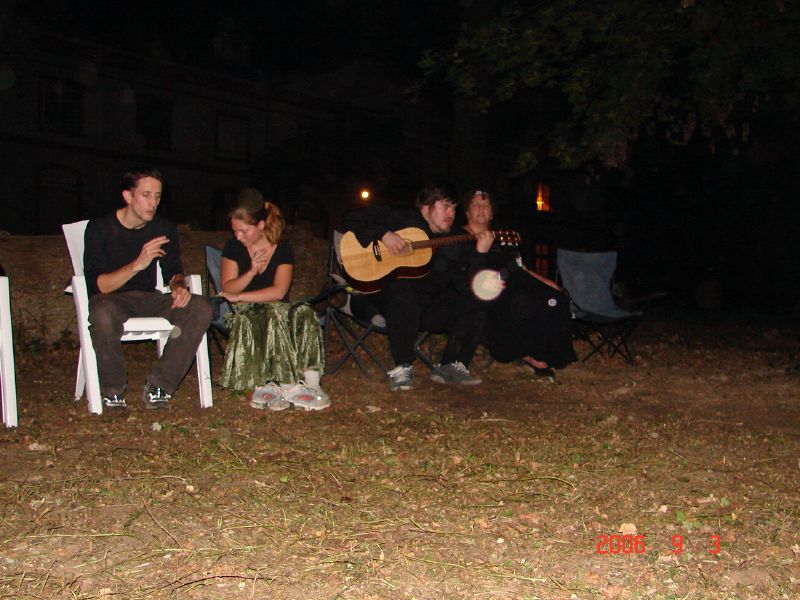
(9, 382)
(135, 329)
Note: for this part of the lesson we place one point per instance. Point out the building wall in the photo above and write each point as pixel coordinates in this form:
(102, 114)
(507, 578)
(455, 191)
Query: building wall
(77, 117)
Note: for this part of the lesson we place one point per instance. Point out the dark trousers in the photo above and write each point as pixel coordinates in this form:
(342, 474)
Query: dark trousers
(414, 305)
(108, 313)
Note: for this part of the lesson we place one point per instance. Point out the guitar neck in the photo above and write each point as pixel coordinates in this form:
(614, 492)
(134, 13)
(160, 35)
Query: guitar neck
(442, 241)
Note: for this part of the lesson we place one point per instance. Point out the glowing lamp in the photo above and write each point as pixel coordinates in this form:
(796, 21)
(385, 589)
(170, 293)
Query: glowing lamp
(364, 194)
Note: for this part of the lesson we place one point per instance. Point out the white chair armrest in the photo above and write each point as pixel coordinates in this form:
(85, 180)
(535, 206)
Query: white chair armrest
(195, 284)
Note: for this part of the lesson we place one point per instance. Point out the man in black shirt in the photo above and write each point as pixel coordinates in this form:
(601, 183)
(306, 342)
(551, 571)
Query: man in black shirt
(121, 254)
(439, 301)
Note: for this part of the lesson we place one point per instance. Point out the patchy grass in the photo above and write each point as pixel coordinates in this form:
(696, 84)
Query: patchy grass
(504, 490)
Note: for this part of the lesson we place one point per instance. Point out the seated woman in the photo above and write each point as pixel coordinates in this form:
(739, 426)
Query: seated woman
(530, 320)
(274, 347)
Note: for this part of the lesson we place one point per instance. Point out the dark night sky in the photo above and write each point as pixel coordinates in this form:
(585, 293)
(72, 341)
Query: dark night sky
(284, 37)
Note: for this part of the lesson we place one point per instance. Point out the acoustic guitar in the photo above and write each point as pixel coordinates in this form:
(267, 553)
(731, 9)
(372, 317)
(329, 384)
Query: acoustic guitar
(371, 265)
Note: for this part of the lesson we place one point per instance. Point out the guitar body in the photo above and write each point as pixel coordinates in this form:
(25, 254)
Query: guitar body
(372, 263)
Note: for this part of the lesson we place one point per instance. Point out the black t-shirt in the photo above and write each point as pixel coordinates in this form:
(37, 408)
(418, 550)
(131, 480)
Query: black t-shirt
(235, 251)
(108, 245)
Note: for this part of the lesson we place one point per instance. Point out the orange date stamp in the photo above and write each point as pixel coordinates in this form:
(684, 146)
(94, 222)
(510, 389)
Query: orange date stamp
(637, 544)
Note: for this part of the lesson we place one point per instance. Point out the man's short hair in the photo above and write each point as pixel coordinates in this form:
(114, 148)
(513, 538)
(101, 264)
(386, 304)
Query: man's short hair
(131, 178)
(430, 195)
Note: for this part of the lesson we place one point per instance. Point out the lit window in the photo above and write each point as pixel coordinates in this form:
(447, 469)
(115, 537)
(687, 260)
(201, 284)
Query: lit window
(542, 251)
(543, 198)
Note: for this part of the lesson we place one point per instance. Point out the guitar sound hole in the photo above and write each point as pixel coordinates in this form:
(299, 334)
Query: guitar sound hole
(376, 251)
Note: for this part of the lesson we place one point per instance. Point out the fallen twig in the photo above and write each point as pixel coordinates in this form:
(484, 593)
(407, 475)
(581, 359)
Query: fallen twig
(164, 529)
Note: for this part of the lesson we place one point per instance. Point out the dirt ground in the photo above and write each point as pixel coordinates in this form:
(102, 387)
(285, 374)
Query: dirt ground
(583, 488)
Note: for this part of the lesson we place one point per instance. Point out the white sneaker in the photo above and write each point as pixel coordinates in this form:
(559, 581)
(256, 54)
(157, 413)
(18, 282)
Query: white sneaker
(269, 396)
(306, 397)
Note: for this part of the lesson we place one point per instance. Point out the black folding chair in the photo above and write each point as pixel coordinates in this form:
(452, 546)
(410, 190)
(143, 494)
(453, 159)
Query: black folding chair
(218, 329)
(587, 277)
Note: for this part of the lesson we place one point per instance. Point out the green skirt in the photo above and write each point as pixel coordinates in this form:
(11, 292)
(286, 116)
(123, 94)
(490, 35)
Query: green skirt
(274, 341)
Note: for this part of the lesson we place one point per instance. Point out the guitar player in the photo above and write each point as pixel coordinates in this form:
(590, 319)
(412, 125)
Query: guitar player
(440, 301)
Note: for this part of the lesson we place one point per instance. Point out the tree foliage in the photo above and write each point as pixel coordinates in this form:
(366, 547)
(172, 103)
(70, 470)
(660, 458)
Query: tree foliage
(601, 74)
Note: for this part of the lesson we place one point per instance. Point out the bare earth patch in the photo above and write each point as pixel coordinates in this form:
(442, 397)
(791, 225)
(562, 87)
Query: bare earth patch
(504, 490)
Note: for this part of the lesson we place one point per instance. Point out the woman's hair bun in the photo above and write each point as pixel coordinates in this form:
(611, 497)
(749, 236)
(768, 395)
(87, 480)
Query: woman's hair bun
(251, 200)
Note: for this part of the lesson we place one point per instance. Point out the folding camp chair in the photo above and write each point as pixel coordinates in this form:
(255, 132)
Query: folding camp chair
(7, 377)
(134, 329)
(354, 318)
(587, 278)
(218, 328)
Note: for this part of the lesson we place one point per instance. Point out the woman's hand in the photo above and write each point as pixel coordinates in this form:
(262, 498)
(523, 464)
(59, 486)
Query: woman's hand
(230, 297)
(259, 261)
(483, 241)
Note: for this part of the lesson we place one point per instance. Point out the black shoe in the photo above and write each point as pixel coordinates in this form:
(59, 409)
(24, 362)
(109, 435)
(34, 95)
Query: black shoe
(155, 397)
(539, 374)
(115, 403)
(546, 373)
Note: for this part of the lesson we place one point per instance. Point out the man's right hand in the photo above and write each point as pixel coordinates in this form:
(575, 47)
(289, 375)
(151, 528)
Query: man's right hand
(393, 242)
(151, 251)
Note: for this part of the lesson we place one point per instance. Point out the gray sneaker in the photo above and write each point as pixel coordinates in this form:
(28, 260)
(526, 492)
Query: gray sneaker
(454, 372)
(155, 397)
(305, 397)
(401, 378)
(269, 396)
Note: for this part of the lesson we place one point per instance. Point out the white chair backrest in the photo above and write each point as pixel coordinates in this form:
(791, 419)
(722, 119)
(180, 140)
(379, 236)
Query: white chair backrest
(8, 384)
(74, 233)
